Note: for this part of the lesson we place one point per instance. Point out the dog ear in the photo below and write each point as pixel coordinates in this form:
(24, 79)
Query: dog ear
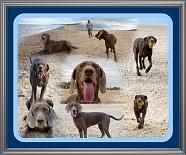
(79, 107)
(145, 39)
(35, 67)
(155, 39)
(51, 117)
(136, 96)
(50, 102)
(145, 97)
(30, 119)
(102, 81)
(67, 108)
(47, 67)
(73, 82)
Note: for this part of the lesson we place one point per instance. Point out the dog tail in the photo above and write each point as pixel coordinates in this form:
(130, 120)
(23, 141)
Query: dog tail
(74, 47)
(117, 119)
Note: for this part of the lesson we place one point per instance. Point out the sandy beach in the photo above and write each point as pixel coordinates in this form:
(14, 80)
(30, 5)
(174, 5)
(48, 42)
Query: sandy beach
(114, 102)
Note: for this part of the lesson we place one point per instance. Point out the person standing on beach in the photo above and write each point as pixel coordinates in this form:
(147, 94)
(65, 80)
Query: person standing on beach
(89, 27)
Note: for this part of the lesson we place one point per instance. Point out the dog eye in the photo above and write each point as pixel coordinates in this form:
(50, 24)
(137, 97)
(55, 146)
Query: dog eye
(45, 109)
(36, 109)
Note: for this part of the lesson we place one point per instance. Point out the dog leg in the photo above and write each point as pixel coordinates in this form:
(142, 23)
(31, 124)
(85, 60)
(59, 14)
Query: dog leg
(150, 64)
(80, 133)
(140, 62)
(101, 129)
(107, 52)
(143, 63)
(137, 117)
(137, 68)
(114, 54)
(33, 96)
(42, 92)
(107, 133)
(85, 132)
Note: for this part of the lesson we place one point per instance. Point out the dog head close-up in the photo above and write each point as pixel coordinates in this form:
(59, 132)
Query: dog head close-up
(74, 108)
(45, 38)
(102, 34)
(41, 115)
(88, 77)
(150, 41)
(140, 100)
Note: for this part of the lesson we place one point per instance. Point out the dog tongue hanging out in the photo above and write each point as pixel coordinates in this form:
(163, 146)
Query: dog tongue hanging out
(88, 92)
(89, 78)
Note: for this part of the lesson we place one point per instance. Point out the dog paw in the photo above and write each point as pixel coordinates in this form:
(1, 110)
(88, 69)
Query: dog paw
(138, 74)
(140, 126)
(140, 68)
(147, 70)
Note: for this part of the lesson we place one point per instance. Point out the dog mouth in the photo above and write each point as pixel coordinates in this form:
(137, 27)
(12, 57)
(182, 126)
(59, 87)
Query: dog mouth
(74, 115)
(88, 90)
(41, 75)
(140, 104)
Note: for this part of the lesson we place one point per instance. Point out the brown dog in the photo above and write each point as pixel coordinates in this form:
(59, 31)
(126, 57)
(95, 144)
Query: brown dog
(140, 107)
(40, 117)
(88, 77)
(39, 76)
(83, 120)
(51, 46)
(110, 41)
(143, 48)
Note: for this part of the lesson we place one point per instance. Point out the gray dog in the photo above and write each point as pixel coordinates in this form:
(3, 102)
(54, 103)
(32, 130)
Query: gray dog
(83, 120)
(39, 76)
(40, 116)
(51, 46)
(143, 48)
(110, 41)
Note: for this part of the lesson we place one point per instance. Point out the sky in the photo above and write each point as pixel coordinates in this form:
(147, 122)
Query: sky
(70, 18)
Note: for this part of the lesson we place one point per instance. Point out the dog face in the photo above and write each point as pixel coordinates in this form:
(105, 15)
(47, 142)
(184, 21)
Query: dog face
(88, 77)
(45, 38)
(102, 34)
(40, 116)
(140, 100)
(150, 41)
(41, 70)
(74, 108)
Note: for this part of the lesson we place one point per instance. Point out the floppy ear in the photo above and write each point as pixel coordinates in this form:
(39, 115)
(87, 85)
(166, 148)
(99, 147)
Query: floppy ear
(155, 39)
(102, 81)
(145, 97)
(79, 107)
(47, 67)
(30, 119)
(35, 67)
(145, 39)
(50, 102)
(51, 117)
(67, 108)
(136, 96)
(73, 82)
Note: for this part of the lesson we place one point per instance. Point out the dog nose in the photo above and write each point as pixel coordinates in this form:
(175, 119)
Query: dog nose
(40, 67)
(89, 71)
(40, 120)
(74, 111)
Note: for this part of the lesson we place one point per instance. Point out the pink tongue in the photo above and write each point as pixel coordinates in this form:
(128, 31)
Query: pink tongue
(88, 92)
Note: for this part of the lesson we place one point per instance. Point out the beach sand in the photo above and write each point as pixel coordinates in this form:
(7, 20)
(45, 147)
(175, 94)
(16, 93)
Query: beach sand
(115, 102)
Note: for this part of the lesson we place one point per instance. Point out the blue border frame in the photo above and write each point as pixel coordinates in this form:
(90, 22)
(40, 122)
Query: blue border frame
(15, 11)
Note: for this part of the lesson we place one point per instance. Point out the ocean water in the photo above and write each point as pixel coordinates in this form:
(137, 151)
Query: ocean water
(28, 29)
(25, 30)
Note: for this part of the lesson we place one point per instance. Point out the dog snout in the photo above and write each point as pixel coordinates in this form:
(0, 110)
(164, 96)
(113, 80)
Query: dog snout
(74, 111)
(89, 71)
(40, 120)
(40, 68)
